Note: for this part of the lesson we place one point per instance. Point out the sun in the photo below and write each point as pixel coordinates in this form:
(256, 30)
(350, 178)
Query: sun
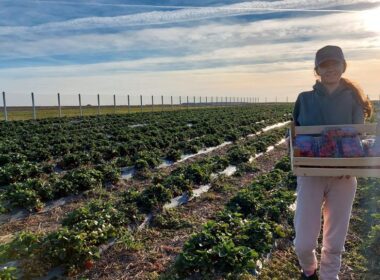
(371, 19)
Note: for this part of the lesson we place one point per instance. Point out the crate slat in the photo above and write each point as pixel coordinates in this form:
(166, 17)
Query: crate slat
(314, 171)
(317, 129)
(338, 162)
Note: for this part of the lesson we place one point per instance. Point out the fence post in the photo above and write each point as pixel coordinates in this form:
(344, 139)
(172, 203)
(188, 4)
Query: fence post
(34, 107)
(194, 100)
(5, 107)
(187, 103)
(98, 104)
(129, 105)
(141, 103)
(162, 103)
(152, 104)
(180, 101)
(171, 102)
(59, 105)
(114, 103)
(80, 105)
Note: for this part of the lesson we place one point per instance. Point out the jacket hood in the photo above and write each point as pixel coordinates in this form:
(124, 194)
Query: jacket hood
(320, 89)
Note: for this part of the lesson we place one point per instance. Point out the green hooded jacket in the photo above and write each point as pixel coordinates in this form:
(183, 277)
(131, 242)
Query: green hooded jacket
(318, 107)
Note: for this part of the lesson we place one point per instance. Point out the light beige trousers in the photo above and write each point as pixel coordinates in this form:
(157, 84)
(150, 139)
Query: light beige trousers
(336, 196)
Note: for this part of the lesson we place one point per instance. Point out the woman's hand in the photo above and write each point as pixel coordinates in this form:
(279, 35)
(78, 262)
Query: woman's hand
(347, 177)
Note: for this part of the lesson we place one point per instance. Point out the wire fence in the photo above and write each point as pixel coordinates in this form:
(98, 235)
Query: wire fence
(36, 106)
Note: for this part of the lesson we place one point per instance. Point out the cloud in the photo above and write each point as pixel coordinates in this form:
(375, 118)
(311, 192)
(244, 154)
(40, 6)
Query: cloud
(182, 15)
(229, 53)
(265, 40)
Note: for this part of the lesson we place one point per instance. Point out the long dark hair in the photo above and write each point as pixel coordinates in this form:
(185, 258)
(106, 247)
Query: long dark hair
(362, 97)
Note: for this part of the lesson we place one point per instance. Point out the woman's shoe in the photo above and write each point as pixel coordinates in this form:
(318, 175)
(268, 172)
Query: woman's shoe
(314, 276)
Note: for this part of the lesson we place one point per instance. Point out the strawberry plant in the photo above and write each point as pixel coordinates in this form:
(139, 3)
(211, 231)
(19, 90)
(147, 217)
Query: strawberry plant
(153, 197)
(8, 273)
(71, 161)
(197, 174)
(84, 178)
(152, 158)
(142, 170)
(110, 173)
(12, 158)
(178, 184)
(238, 154)
(23, 195)
(11, 173)
(169, 219)
(220, 246)
(211, 140)
(173, 155)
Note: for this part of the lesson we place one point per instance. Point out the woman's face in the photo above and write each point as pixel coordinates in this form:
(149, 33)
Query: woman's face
(330, 71)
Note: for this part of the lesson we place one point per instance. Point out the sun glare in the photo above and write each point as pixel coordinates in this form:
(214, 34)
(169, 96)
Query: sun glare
(371, 19)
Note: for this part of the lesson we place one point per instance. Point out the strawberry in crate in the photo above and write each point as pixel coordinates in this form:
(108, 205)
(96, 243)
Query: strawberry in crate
(352, 147)
(303, 146)
(331, 132)
(373, 149)
(348, 132)
(327, 146)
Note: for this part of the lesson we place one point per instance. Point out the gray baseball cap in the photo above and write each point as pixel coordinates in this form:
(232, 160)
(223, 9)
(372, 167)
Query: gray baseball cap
(329, 53)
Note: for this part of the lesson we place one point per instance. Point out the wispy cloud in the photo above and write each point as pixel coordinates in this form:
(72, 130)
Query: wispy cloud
(208, 40)
(182, 15)
(95, 49)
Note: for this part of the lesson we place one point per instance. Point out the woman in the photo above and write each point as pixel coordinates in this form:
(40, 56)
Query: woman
(334, 100)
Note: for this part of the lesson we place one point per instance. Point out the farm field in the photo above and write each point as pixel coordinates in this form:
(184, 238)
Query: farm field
(203, 193)
(42, 112)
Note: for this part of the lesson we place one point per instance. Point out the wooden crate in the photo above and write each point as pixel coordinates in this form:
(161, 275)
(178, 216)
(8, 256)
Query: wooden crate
(318, 166)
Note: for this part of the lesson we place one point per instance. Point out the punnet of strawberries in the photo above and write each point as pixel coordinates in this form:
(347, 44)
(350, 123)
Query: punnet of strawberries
(336, 143)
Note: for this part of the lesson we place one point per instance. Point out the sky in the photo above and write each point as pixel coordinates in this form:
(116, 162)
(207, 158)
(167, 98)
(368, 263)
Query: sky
(251, 49)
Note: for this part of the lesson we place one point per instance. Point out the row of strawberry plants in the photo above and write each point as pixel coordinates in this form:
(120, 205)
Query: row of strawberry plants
(185, 178)
(76, 244)
(164, 138)
(31, 193)
(25, 171)
(243, 232)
